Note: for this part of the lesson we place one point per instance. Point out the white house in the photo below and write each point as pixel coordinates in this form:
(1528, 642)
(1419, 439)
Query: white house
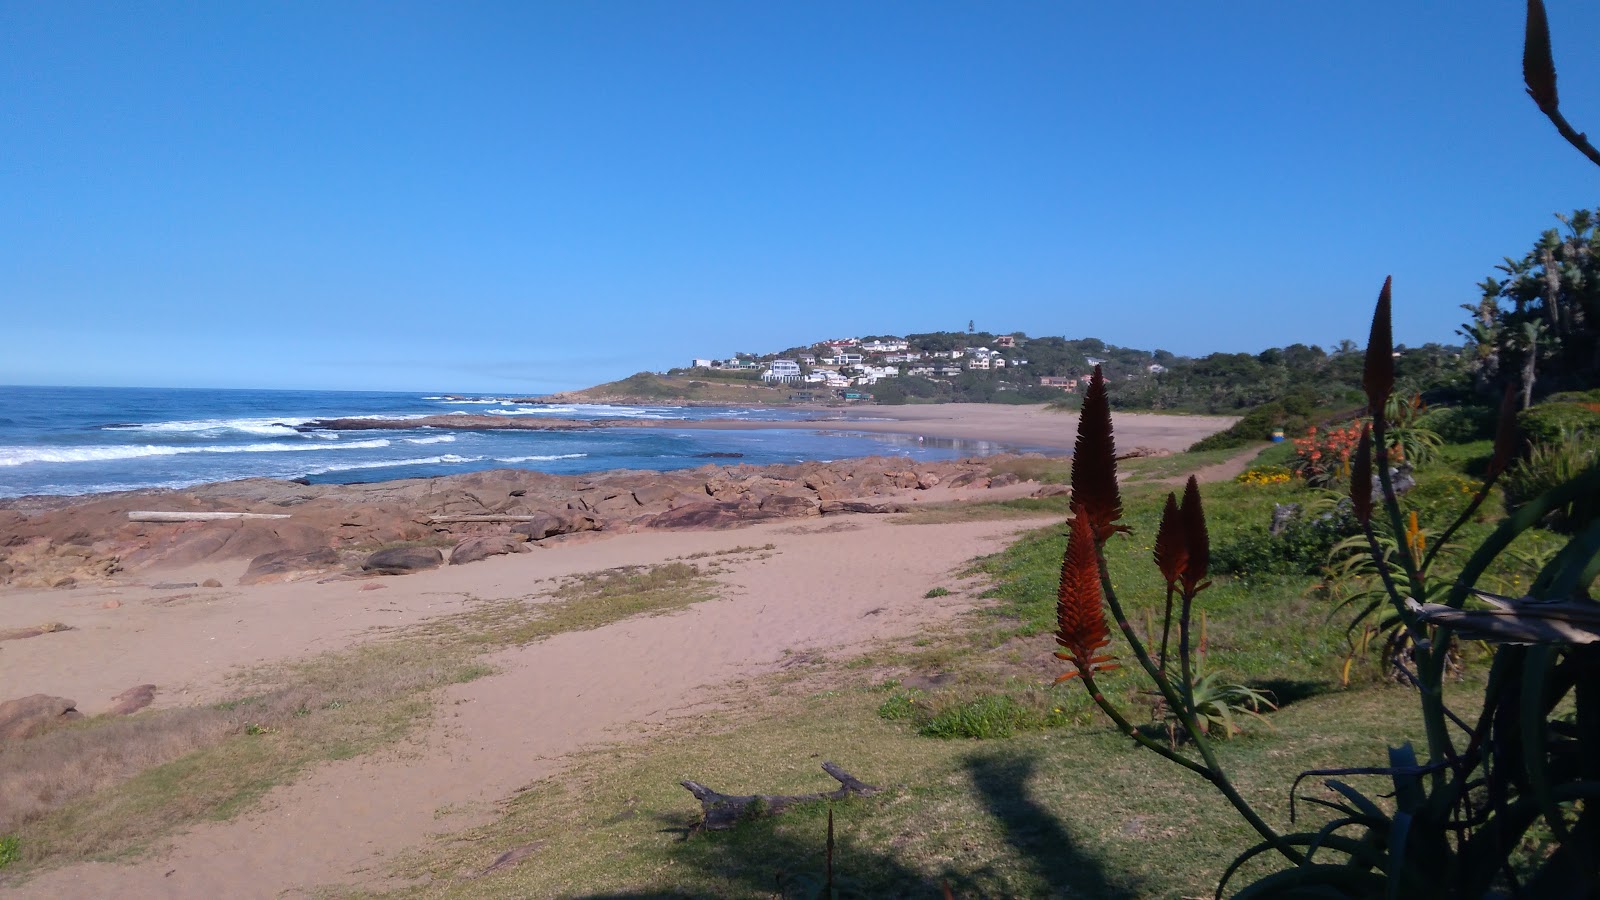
(1157, 368)
(891, 345)
(698, 363)
(783, 371)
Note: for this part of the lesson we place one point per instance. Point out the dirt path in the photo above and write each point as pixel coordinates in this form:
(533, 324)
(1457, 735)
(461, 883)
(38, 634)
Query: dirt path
(1232, 467)
(345, 820)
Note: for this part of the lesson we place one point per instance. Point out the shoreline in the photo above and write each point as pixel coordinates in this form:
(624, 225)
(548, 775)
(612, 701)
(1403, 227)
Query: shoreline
(1030, 426)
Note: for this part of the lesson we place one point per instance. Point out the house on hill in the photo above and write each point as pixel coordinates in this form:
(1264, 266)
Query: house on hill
(782, 371)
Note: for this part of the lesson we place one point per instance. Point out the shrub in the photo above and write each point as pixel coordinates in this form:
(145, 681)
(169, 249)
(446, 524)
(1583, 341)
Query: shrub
(1549, 465)
(1257, 425)
(1553, 421)
(1460, 424)
(1302, 547)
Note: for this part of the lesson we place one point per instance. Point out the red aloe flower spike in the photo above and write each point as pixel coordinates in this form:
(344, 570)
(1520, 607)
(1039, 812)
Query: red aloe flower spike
(1377, 377)
(1195, 539)
(1080, 615)
(1361, 477)
(1094, 462)
(1171, 551)
(1538, 63)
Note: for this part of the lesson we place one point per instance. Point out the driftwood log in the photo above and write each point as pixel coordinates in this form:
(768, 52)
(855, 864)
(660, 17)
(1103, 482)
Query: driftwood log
(724, 811)
(156, 516)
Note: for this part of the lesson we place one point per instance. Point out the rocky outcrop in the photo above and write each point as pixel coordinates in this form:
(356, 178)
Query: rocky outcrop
(290, 565)
(70, 542)
(403, 560)
(25, 717)
(484, 546)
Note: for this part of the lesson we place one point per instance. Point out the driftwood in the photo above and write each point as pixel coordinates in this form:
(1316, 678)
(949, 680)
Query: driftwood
(157, 516)
(725, 811)
(1518, 620)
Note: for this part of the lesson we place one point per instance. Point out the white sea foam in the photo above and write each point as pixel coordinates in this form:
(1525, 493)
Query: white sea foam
(17, 456)
(448, 459)
(267, 427)
(436, 439)
(518, 459)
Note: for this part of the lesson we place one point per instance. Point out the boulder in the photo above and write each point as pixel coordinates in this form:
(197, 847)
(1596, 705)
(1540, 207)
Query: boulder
(25, 717)
(791, 505)
(132, 700)
(483, 546)
(710, 514)
(289, 565)
(1053, 490)
(968, 479)
(1004, 479)
(403, 560)
(926, 480)
(833, 507)
(543, 525)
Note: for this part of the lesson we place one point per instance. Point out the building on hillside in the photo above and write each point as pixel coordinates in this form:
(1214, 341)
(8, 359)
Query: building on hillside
(1063, 382)
(888, 345)
(782, 371)
(698, 363)
(806, 359)
(1094, 360)
(1005, 340)
(1157, 368)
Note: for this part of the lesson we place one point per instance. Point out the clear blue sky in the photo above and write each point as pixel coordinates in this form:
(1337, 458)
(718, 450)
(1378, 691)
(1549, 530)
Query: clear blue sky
(539, 196)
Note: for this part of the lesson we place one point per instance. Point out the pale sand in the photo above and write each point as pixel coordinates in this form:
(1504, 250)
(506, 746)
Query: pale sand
(341, 822)
(831, 585)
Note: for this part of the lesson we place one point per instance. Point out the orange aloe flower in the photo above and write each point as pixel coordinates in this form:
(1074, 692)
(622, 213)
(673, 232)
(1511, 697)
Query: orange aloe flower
(1171, 551)
(1361, 478)
(1094, 463)
(1080, 616)
(1377, 376)
(1196, 540)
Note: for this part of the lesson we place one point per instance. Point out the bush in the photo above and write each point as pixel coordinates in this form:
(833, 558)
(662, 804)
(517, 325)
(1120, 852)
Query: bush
(988, 716)
(1460, 424)
(1549, 465)
(1554, 420)
(1257, 425)
(1301, 549)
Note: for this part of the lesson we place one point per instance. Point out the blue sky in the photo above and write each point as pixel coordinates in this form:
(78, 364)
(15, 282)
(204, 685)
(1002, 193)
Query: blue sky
(539, 196)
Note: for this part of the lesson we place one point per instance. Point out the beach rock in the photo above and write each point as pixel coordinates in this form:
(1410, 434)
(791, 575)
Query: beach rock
(1004, 479)
(484, 546)
(926, 480)
(373, 586)
(790, 505)
(403, 560)
(211, 583)
(111, 604)
(1053, 490)
(969, 479)
(710, 514)
(860, 506)
(542, 526)
(288, 565)
(35, 714)
(17, 634)
(132, 700)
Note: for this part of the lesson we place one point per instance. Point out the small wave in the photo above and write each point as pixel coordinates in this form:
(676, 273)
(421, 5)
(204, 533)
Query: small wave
(17, 456)
(447, 459)
(266, 427)
(518, 459)
(436, 439)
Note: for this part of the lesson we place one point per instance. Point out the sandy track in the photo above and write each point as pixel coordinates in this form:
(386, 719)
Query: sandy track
(343, 821)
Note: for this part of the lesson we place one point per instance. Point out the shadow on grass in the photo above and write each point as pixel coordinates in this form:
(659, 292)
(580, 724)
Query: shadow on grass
(1287, 690)
(1038, 835)
(784, 857)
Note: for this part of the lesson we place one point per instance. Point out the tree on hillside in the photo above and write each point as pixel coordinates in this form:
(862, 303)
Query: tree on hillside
(1539, 327)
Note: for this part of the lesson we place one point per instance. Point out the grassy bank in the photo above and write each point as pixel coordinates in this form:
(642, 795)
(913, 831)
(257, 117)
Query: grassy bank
(998, 783)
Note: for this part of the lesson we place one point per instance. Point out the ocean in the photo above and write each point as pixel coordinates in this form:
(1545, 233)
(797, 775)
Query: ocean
(74, 440)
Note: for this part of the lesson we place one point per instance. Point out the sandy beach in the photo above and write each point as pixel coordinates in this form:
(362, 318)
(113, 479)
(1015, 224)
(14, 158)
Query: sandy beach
(831, 583)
